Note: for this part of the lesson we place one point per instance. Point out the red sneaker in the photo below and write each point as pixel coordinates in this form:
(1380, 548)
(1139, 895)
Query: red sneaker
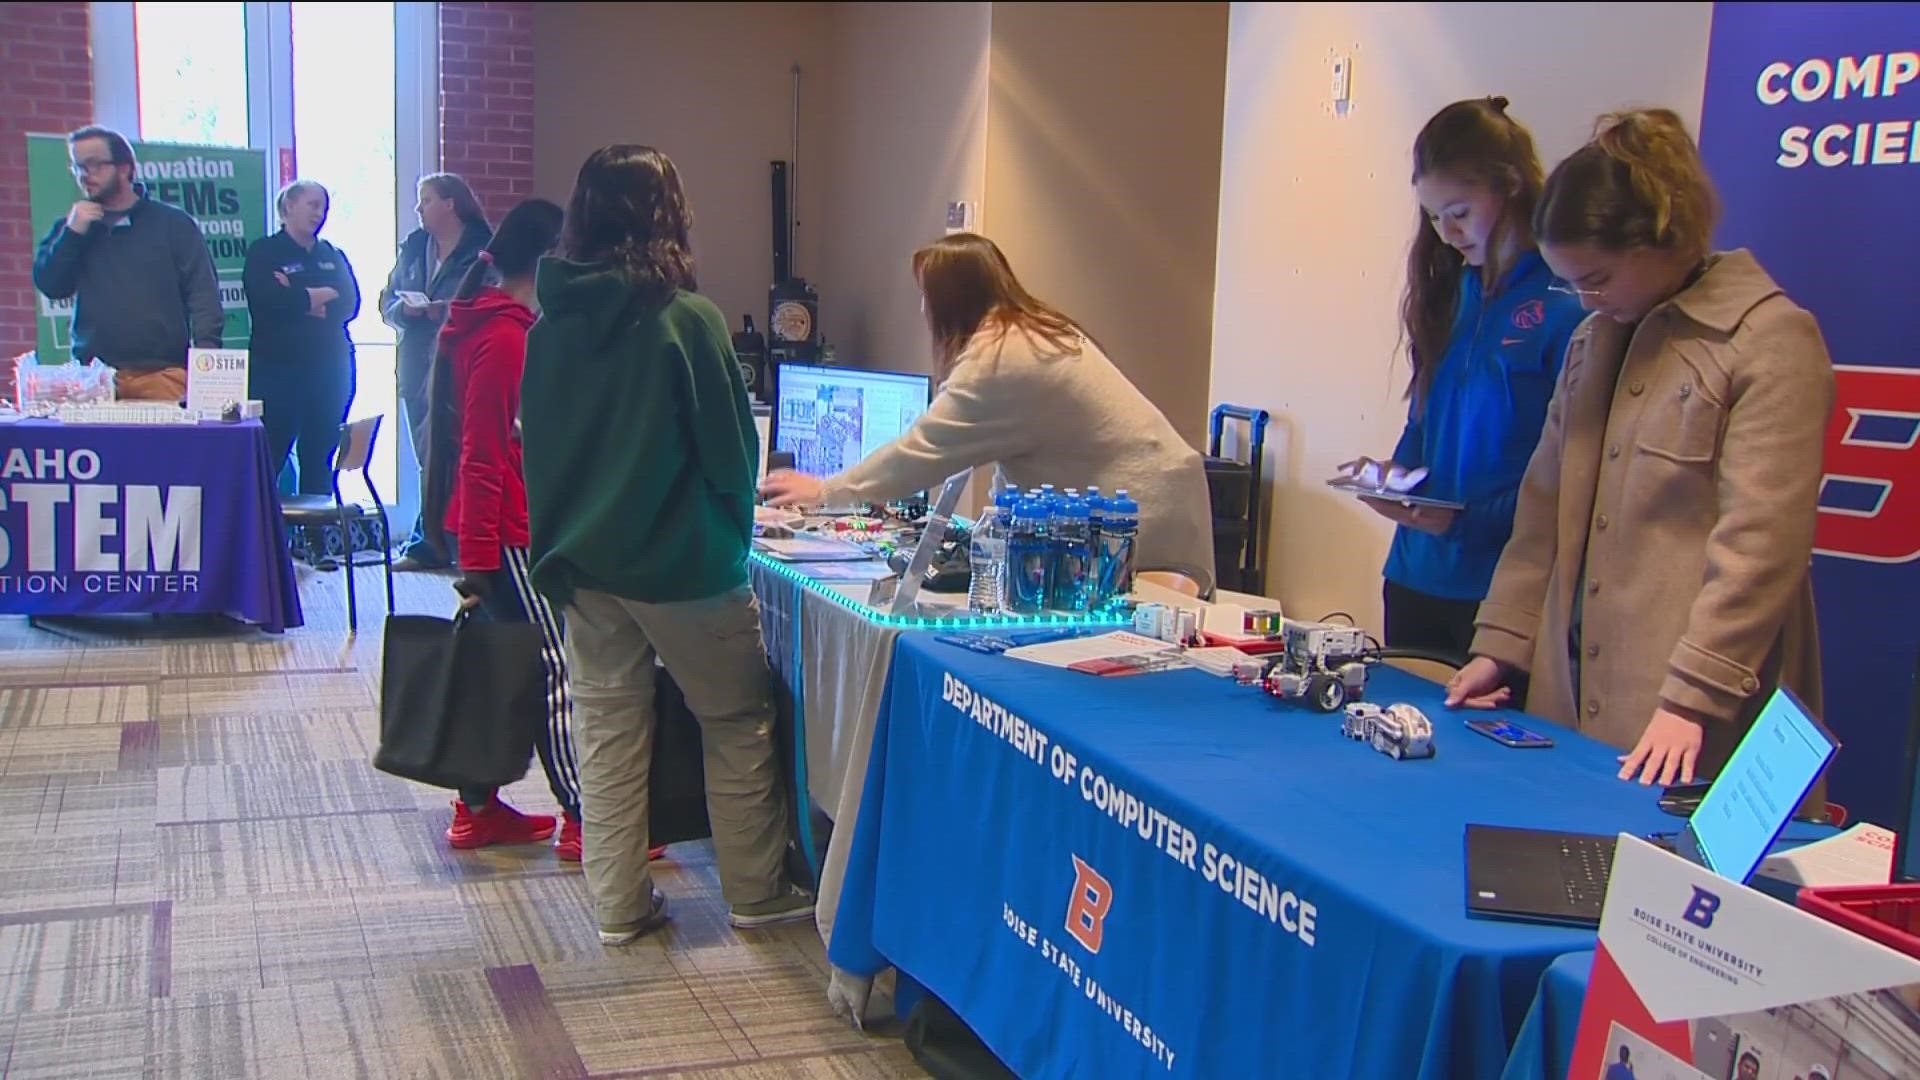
(498, 823)
(568, 849)
(656, 854)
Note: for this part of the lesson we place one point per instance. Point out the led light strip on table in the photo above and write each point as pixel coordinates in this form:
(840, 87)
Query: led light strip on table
(961, 617)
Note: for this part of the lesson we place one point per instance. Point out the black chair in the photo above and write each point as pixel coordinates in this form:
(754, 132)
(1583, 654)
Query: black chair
(318, 511)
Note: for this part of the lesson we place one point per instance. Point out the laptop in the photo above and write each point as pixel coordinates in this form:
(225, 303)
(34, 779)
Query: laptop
(1537, 875)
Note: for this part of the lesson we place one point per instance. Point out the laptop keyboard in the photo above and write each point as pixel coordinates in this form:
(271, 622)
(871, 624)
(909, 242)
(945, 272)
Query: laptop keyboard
(1585, 863)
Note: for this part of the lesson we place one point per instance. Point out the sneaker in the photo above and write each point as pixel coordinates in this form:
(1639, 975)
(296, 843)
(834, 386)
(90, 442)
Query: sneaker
(497, 823)
(627, 935)
(656, 854)
(793, 906)
(568, 849)
(407, 564)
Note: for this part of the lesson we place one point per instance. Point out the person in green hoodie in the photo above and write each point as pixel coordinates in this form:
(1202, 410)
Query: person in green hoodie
(638, 449)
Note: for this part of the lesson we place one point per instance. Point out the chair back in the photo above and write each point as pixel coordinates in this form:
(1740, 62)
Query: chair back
(356, 445)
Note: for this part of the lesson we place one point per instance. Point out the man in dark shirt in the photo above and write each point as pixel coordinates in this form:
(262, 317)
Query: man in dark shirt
(138, 271)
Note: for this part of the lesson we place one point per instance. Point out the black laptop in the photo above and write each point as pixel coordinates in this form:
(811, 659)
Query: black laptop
(1536, 875)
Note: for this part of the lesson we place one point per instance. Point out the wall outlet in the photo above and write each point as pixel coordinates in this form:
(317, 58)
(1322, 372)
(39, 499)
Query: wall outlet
(959, 217)
(1343, 79)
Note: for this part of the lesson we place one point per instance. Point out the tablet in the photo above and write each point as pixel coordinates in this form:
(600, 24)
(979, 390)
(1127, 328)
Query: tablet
(1368, 491)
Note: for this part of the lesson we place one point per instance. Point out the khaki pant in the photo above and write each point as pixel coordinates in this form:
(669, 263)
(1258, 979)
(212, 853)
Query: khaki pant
(163, 384)
(713, 649)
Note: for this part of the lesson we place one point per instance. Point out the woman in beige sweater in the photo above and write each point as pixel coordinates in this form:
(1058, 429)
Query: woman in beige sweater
(1025, 388)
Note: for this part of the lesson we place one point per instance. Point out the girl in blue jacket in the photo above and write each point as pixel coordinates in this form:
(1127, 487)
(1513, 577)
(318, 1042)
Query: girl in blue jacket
(1485, 333)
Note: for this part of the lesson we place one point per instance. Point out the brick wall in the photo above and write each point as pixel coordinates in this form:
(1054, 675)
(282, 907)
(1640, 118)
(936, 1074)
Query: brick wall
(46, 85)
(486, 99)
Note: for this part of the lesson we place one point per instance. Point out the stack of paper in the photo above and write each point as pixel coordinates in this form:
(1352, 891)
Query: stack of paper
(1863, 855)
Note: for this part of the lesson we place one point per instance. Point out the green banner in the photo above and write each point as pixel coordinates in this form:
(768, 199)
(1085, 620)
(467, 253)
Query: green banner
(224, 188)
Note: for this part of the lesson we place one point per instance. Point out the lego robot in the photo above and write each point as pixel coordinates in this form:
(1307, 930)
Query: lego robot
(1398, 731)
(1321, 664)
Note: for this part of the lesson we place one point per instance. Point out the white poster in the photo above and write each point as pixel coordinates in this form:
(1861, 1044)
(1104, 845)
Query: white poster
(216, 379)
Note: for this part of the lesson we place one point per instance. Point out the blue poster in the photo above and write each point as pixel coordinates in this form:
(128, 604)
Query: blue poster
(1812, 130)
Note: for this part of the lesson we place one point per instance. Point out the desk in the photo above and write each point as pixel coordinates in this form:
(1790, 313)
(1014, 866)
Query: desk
(111, 519)
(1345, 949)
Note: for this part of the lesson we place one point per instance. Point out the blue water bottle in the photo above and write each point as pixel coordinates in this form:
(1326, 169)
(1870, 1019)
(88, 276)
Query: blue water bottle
(1118, 529)
(1028, 560)
(1096, 516)
(1073, 583)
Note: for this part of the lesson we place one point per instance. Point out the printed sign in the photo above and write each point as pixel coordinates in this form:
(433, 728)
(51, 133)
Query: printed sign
(224, 188)
(216, 378)
(1809, 130)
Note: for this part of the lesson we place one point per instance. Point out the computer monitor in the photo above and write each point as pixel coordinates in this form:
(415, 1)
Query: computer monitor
(1750, 802)
(831, 418)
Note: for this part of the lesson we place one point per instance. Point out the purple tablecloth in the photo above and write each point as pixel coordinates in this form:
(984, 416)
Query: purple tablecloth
(105, 519)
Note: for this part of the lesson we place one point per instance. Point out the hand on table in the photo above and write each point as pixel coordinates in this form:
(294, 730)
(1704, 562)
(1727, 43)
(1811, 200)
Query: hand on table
(1428, 519)
(1479, 685)
(788, 487)
(1667, 751)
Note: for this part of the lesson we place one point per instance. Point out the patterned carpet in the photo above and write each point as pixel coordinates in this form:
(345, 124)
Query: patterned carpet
(201, 876)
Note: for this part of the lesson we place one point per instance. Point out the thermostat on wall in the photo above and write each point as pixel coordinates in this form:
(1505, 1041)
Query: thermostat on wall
(959, 217)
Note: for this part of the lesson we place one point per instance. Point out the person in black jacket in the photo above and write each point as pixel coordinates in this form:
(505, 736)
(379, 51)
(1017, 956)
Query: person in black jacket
(139, 273)
(432, 261)
(302, 294)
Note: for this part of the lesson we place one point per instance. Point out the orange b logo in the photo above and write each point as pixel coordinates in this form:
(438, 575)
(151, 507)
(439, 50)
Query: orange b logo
(1087, 910)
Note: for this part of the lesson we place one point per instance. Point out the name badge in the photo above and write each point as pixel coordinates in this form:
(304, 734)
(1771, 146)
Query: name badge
(326, 266)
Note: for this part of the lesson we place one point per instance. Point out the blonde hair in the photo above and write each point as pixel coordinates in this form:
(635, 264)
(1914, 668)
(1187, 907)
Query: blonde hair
(1640, 182)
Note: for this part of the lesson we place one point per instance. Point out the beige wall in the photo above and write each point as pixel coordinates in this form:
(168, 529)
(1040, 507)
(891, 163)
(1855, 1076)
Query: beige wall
(710, 85)
(1315, 217)
(1103, 178)
(908, 135)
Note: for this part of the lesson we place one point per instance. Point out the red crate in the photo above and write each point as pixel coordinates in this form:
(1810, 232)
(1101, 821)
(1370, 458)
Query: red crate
(1889, 914)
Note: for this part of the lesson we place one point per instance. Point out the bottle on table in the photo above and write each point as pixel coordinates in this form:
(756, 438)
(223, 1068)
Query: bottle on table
(1118, 529)
(1096, 516)
(1071, 590)
(1028, 560)
(986, 588)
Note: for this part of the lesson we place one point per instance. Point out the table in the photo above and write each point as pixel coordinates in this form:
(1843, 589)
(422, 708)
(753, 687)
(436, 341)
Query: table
(1544, 1048)
(100, 519)
(1012, 855)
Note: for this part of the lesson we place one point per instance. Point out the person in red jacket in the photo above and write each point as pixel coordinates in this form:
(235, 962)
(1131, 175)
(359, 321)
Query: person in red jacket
(474, 397)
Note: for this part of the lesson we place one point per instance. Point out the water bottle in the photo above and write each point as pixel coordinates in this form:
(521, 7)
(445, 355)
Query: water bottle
(1028, 560)
(1117, 531)
(986, 589)
(1096, 518)
(1072, 587)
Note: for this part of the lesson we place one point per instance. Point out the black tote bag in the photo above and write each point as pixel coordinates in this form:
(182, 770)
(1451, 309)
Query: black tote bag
(461, 700)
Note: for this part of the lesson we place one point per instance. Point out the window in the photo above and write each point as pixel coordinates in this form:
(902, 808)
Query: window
(192, 72)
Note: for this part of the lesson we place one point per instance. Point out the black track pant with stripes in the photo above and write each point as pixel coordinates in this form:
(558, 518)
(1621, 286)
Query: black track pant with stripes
(511, 598)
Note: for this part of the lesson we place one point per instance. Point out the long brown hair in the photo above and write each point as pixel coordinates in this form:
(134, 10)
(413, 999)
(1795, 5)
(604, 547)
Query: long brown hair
(453, 187)
(968, 283)
(1476, 141)
(629, 210)
(1639, 183)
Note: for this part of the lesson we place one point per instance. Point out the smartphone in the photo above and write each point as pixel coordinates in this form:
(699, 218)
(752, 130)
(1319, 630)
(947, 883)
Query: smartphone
(1681, 800)
(1508, 733)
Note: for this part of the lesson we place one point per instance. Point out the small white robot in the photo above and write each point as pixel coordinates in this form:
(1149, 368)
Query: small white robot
(1322, 664)
(1398, 731)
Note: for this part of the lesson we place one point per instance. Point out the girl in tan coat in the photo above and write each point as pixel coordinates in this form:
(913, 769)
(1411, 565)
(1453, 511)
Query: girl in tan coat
(1656, 587)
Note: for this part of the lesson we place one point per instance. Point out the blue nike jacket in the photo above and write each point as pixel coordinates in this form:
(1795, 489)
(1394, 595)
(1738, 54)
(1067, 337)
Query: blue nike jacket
(1477, 428)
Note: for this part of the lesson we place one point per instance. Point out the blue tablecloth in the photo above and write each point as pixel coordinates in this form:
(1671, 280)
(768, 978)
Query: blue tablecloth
(103, 519)
(989, 864)
(1544, 1048)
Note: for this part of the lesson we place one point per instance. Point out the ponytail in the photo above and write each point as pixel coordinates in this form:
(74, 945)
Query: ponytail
(1639, 183)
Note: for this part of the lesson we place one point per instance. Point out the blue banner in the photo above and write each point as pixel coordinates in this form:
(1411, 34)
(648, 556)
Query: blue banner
(1812, 130)
(164, 519)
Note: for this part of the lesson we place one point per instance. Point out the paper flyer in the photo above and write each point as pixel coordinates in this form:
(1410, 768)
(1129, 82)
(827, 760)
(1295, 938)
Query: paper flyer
(1700, 978)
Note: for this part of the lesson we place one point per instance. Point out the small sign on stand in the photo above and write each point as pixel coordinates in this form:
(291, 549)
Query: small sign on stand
(216, 380)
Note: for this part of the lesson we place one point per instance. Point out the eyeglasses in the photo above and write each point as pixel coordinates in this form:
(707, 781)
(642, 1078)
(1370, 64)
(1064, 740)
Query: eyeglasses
(1575, 290)
(84, 168)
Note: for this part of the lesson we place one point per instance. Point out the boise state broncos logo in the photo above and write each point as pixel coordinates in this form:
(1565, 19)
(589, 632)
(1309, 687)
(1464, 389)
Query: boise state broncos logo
(1529, 315)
